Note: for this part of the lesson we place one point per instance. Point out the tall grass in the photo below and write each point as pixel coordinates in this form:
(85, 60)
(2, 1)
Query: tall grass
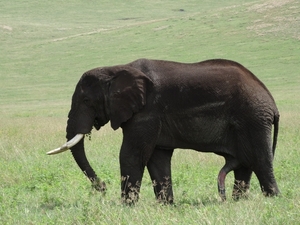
(46, 46)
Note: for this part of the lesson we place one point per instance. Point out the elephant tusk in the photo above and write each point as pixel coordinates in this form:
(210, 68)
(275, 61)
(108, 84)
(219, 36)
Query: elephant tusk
(67, 145)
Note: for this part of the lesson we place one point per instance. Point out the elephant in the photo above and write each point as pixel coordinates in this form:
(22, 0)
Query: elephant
(215, 106)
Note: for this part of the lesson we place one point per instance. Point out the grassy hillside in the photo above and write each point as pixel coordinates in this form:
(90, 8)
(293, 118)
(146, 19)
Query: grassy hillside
(46, 46)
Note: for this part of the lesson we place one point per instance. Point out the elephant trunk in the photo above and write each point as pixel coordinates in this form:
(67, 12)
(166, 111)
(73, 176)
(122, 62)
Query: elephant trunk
(83, 163)
(81, 160)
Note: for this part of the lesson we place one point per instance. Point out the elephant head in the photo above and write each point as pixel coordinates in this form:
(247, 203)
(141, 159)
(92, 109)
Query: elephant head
(102, 94)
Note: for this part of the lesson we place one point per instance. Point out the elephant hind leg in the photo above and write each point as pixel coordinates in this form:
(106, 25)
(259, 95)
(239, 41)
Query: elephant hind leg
(241, 185)
(266, 179)
(262, 161)
(159, 167)
(230, 164)
(255, 149)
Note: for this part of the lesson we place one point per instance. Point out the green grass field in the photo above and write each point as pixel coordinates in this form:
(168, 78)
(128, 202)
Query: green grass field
(46, 46)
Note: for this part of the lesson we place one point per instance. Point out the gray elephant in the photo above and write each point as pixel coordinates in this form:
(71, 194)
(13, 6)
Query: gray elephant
(212, 106)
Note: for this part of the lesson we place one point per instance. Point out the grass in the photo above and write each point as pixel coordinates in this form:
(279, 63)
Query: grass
(46, 46)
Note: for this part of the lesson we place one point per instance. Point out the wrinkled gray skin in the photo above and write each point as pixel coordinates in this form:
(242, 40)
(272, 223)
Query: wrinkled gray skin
(213, 106)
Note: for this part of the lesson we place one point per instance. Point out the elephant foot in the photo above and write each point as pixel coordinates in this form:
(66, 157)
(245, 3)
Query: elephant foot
(130, 198)
(163, 191)
(270, 192)
(99, 185)
(130, 193)
(267, 180)
(240, 190)
(165, 200)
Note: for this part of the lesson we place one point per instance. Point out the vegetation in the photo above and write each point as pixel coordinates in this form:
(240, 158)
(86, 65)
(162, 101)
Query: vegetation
(47, 45)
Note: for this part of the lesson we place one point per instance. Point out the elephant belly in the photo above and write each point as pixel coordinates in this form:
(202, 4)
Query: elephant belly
(209, 134)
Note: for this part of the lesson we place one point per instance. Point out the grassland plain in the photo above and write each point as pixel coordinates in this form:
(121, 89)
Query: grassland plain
(47, 45)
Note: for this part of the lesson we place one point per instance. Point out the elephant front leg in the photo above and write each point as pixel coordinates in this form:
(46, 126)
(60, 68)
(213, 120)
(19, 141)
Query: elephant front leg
(139, 141)
(159, 167)
(132, 170)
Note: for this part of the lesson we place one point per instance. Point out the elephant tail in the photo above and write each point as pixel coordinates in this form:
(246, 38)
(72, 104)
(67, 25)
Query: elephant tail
(275, 134)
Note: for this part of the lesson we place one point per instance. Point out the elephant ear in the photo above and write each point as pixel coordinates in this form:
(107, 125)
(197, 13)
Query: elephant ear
(127, 95)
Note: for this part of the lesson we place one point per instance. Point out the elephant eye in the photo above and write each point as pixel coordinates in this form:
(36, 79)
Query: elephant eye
(87, 101)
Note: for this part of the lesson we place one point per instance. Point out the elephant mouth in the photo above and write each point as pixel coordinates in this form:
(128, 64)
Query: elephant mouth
(98, 123)
(100, 120)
